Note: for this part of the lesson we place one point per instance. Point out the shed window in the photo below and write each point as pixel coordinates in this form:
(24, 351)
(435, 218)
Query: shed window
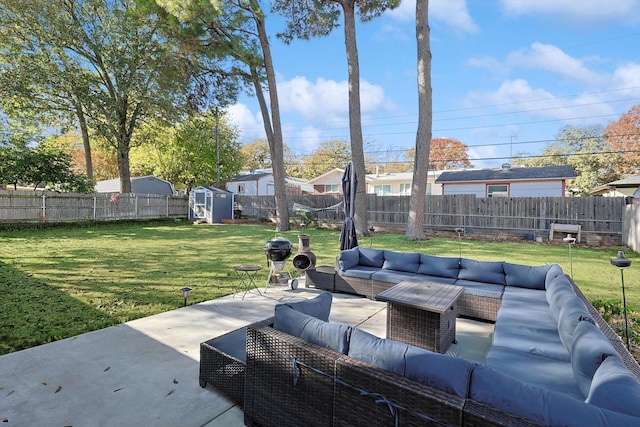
(501, 190)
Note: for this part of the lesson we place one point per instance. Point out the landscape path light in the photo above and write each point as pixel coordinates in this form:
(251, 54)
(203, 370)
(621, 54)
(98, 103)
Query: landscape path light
(570, 240)
(185, 294)
(621, 262)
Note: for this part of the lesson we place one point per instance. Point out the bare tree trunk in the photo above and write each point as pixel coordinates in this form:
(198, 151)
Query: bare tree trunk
(355, 119)
(85, 142)
(276, 144)
(415, 225)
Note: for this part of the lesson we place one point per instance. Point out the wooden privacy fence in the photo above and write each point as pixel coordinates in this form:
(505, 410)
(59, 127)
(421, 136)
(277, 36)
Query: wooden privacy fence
(17, 206)
(528, 217)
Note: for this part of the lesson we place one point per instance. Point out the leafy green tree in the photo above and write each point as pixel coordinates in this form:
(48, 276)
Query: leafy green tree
(186, 155)
(108, 60)
(306, 19)
(330, 155)
(256, 155)
(585, 149)
(238, 27)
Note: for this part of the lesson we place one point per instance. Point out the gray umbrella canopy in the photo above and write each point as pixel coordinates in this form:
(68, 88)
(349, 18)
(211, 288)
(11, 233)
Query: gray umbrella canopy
(348, 238)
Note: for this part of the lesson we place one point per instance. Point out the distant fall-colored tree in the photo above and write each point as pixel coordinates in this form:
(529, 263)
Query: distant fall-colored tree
(623, 137)
(444, 153)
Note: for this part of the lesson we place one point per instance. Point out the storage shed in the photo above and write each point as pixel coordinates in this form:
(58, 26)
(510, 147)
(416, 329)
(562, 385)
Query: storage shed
(139, 185)
(210, 204)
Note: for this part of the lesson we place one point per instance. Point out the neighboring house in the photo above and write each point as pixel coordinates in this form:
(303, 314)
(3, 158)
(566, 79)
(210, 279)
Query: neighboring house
(621, 188)
(139, 185)
(329, 182)
(259, 182)
(543, 181)
(399, 184)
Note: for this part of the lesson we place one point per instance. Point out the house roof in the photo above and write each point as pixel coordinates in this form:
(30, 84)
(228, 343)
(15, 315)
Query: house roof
(632, 181)
(510, 174)
(250, 176)
(213, 188)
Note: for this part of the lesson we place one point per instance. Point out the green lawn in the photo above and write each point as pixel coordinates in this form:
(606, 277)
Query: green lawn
(57, 283)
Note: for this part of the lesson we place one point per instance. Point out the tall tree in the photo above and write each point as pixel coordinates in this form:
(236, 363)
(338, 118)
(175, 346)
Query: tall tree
(417, 200)
(238, 28)
(623, 137)
(307, 18)
(123, 69)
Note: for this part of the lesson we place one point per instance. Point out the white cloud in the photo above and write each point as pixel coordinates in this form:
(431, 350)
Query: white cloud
(250, 125)
(452, 12)
(552, 58)
(577, 11)
(327, 101)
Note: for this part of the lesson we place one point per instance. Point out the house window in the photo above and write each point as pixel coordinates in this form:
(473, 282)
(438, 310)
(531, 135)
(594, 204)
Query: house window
(405, 189)
(428, 188)
(331, 188)
(501, 190)
(382, 190)
(240, 188)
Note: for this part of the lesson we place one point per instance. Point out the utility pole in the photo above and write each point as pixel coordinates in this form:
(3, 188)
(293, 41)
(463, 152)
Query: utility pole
(217, 148)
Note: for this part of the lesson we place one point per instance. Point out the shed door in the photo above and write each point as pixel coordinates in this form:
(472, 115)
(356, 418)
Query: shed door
(202, 205)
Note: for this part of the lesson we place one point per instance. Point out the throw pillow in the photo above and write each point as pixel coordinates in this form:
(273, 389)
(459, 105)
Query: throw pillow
(371, 257)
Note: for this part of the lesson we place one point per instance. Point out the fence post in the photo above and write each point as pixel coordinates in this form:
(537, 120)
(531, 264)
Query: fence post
(44, 208)
(95, 207)
(167, 206)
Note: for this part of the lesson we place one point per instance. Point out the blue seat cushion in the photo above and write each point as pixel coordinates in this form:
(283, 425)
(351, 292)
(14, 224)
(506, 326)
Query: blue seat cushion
(392, 276)
(318, 307)
(482, 271)
(481, 289)
(371, 257)
(383, 353)
(439, 266)
(359, 271)
(408, 262)
(590, 347)
(436, 279)
(539, 371)
(500, 391)
(326, 334)
(451, 374)
(525, 276)
(615, 387)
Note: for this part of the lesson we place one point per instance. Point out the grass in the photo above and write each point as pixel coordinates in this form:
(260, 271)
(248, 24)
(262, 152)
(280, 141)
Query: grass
(56, 283)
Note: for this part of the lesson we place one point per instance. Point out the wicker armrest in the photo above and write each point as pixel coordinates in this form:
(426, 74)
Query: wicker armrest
(365, 395)
(223, 361)
(289, 381)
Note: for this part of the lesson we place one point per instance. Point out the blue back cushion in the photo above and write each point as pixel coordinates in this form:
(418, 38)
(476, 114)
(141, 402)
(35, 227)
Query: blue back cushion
(371, 257)
(482, 271)
(318, 307)
(590, 347)
(451, 374)
(349, 258)
(525, 276)
(572, 312)
(383, 353)
(614, 387)
(439, 266)
(408, 262)
(331, 335)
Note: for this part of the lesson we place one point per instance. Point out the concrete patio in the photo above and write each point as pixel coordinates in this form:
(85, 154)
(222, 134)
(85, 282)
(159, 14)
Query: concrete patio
(145, 372)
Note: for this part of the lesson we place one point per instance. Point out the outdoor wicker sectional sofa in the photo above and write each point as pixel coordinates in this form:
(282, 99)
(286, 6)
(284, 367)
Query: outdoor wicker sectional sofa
(553, 361)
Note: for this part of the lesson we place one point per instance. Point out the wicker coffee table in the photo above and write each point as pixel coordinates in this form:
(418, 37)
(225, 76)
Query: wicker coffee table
(422, 313)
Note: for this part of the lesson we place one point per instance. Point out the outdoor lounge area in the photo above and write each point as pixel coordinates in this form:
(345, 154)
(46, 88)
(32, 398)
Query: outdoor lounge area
(551, 359)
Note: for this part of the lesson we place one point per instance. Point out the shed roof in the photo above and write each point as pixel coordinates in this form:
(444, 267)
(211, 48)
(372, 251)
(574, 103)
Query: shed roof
(510, 174)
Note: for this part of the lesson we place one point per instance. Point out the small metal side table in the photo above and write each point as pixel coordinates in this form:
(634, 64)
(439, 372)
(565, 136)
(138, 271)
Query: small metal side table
(246, 275)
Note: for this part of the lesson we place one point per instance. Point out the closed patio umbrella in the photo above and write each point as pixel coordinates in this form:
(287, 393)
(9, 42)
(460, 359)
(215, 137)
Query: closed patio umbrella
(348, 238)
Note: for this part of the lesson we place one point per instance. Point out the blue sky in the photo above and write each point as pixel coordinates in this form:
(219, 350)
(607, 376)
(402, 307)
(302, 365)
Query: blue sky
(506, 76)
